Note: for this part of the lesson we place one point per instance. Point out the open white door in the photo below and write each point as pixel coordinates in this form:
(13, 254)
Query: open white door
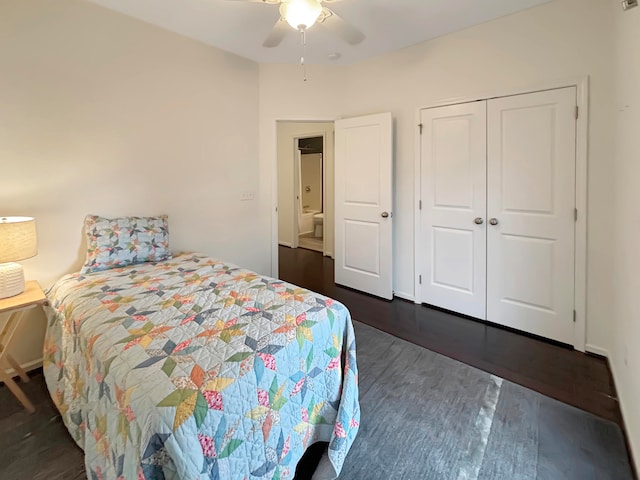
(363, 210)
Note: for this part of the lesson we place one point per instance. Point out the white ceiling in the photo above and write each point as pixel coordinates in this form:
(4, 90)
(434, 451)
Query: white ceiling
(241, 27)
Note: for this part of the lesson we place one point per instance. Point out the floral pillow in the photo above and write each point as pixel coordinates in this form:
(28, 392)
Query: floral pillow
(118, 242)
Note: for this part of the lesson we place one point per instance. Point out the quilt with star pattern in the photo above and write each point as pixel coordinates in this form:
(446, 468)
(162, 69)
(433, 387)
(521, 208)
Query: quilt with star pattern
(194, 368)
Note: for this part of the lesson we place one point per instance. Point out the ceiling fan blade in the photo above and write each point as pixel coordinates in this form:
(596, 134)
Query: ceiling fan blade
(335, 23)
(279, 31)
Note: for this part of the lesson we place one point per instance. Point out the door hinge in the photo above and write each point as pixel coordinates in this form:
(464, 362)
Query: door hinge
(577, 111)
(574, 316)
(419, 204)
(420, 125)
(420, 279)
(575, 214)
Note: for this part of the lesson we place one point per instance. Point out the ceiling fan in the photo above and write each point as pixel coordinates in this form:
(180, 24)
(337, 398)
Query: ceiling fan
(302, 14)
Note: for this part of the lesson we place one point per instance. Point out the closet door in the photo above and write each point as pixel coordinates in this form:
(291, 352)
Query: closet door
(531, 200)
(454, 207)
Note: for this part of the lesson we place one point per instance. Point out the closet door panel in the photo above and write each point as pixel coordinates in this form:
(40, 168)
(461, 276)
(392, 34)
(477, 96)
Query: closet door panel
(531, 199)
(454, 196)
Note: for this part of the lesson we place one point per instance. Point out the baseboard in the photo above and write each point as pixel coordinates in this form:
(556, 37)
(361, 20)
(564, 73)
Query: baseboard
(404, 296)
(27, 367)
(596, 350)
(634, 453)
(286, 244)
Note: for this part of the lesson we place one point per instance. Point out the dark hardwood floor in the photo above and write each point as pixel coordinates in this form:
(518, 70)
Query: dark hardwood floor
(38, 447)
(579, 379)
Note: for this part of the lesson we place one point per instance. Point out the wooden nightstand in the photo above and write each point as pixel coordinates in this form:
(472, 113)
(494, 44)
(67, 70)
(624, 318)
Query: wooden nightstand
(32, 297)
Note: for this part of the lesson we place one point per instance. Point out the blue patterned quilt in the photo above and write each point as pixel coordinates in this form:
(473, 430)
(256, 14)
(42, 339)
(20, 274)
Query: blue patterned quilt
(194, 368)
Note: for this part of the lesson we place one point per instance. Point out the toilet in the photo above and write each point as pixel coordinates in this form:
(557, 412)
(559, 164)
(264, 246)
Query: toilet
(318, 220)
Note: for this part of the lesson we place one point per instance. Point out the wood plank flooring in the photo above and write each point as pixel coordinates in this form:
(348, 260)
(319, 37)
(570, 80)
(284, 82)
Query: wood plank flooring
(578, 379)
(38, 447)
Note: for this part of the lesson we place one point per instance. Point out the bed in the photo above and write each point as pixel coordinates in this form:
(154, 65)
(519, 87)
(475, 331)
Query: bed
(193, 368)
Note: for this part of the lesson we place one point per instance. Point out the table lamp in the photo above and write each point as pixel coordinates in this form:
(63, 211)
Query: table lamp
(17, 242)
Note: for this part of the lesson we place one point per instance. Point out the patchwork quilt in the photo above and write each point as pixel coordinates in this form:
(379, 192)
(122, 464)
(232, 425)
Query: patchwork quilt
(193, 368)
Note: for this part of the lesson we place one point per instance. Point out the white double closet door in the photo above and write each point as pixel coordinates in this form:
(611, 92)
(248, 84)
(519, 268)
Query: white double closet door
(498, 215)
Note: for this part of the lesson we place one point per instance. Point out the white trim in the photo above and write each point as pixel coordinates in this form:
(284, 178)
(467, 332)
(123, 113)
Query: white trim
(274, 181)
(27, 367)
(624, 408)
(603, 352)
(285, 244)
(580, 253)
(324, 192)
(404, 296)
(577, 81)
(417, 216)
(297, 191)
(581, 83)
(274, 202)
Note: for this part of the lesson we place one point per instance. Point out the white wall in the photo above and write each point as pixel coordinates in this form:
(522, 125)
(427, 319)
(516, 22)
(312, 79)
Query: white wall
(561, 39)
(104, 114)
(286, 134)
(625, 252)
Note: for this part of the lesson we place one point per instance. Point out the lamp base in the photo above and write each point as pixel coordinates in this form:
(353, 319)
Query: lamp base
(11, 279)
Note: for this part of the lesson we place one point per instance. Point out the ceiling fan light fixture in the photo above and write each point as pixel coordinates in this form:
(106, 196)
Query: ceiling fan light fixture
(300, 14)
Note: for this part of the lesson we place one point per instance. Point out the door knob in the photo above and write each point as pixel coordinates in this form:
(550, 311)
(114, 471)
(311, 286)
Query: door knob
(384, 214)
(493, 221)
(478, 220)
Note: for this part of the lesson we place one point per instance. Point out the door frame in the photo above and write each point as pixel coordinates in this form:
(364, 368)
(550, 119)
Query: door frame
(274, 174)
(580, 246)
(297, 180)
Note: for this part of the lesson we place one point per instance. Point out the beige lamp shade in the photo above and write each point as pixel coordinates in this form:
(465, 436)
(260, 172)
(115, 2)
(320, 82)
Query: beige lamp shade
(17, 242)
(17, 238)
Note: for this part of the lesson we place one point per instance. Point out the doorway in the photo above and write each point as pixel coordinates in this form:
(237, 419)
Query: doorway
(365, 180)
(364, 252)
(310, 193)
(305, 185)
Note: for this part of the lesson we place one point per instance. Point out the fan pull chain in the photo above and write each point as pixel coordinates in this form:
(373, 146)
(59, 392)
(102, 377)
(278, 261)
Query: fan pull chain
(303, 34)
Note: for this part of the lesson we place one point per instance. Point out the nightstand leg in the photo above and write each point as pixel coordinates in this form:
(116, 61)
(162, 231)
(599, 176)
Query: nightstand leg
(16, 366)
(15, 389)
(6, 335)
